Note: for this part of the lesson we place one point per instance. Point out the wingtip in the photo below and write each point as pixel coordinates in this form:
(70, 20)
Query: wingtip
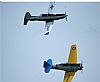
(47, 33)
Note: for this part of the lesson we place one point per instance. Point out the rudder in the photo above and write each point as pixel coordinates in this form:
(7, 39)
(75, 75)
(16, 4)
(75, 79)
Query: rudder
(47, 65)
(26, 18)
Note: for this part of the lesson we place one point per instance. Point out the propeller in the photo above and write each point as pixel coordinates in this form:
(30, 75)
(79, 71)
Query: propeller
(65, 12)
(66, 16)
(82, 66)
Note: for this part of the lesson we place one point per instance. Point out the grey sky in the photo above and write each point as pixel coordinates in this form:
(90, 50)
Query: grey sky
(24, 48)
(0, 42)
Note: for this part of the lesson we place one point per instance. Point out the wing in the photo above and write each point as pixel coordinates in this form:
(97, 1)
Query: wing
(68, 76)
(72, 59)
(73, 54)
(48, 26)
(51, 6)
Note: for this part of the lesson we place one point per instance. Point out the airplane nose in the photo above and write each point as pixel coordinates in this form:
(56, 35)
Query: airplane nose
(81, 66)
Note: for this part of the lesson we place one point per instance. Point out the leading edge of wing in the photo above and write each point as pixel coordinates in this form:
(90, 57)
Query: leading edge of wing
(68, 76)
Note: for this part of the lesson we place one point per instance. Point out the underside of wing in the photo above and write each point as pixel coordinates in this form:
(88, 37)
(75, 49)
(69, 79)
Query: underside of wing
(73, 54)
(68, 76)
(51, 6)
(48, 25)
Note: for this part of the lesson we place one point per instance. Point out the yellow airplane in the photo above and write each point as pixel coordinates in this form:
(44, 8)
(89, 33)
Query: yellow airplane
(70, 68)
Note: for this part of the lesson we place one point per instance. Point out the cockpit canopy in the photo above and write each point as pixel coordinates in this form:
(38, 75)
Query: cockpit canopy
(43, 15)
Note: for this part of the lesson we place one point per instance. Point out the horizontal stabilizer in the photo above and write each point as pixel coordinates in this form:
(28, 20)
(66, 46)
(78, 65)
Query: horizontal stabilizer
(47, 65)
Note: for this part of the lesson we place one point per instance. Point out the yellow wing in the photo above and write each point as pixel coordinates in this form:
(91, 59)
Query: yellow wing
(72, 59)
(68, 76)
(73, 54)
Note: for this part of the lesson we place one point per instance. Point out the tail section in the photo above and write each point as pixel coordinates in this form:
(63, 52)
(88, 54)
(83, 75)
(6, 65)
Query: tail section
(47, 65)
(26, 18)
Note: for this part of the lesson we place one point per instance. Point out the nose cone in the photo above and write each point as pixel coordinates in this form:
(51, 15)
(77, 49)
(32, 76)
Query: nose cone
(81, 66)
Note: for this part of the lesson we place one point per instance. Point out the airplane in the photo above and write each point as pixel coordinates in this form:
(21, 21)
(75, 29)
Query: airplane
(48, 18)
(70, 68)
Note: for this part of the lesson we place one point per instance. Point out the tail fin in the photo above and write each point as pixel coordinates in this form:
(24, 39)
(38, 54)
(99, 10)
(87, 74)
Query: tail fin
(47, 65)
(26, 18)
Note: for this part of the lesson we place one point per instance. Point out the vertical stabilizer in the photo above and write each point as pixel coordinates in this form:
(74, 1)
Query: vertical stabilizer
(26, 18)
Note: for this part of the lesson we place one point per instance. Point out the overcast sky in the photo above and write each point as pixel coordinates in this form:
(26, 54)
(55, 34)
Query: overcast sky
(24, 48)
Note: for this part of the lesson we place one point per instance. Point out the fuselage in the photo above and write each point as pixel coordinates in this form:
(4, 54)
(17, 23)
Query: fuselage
(47, 17)
(68, 67)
